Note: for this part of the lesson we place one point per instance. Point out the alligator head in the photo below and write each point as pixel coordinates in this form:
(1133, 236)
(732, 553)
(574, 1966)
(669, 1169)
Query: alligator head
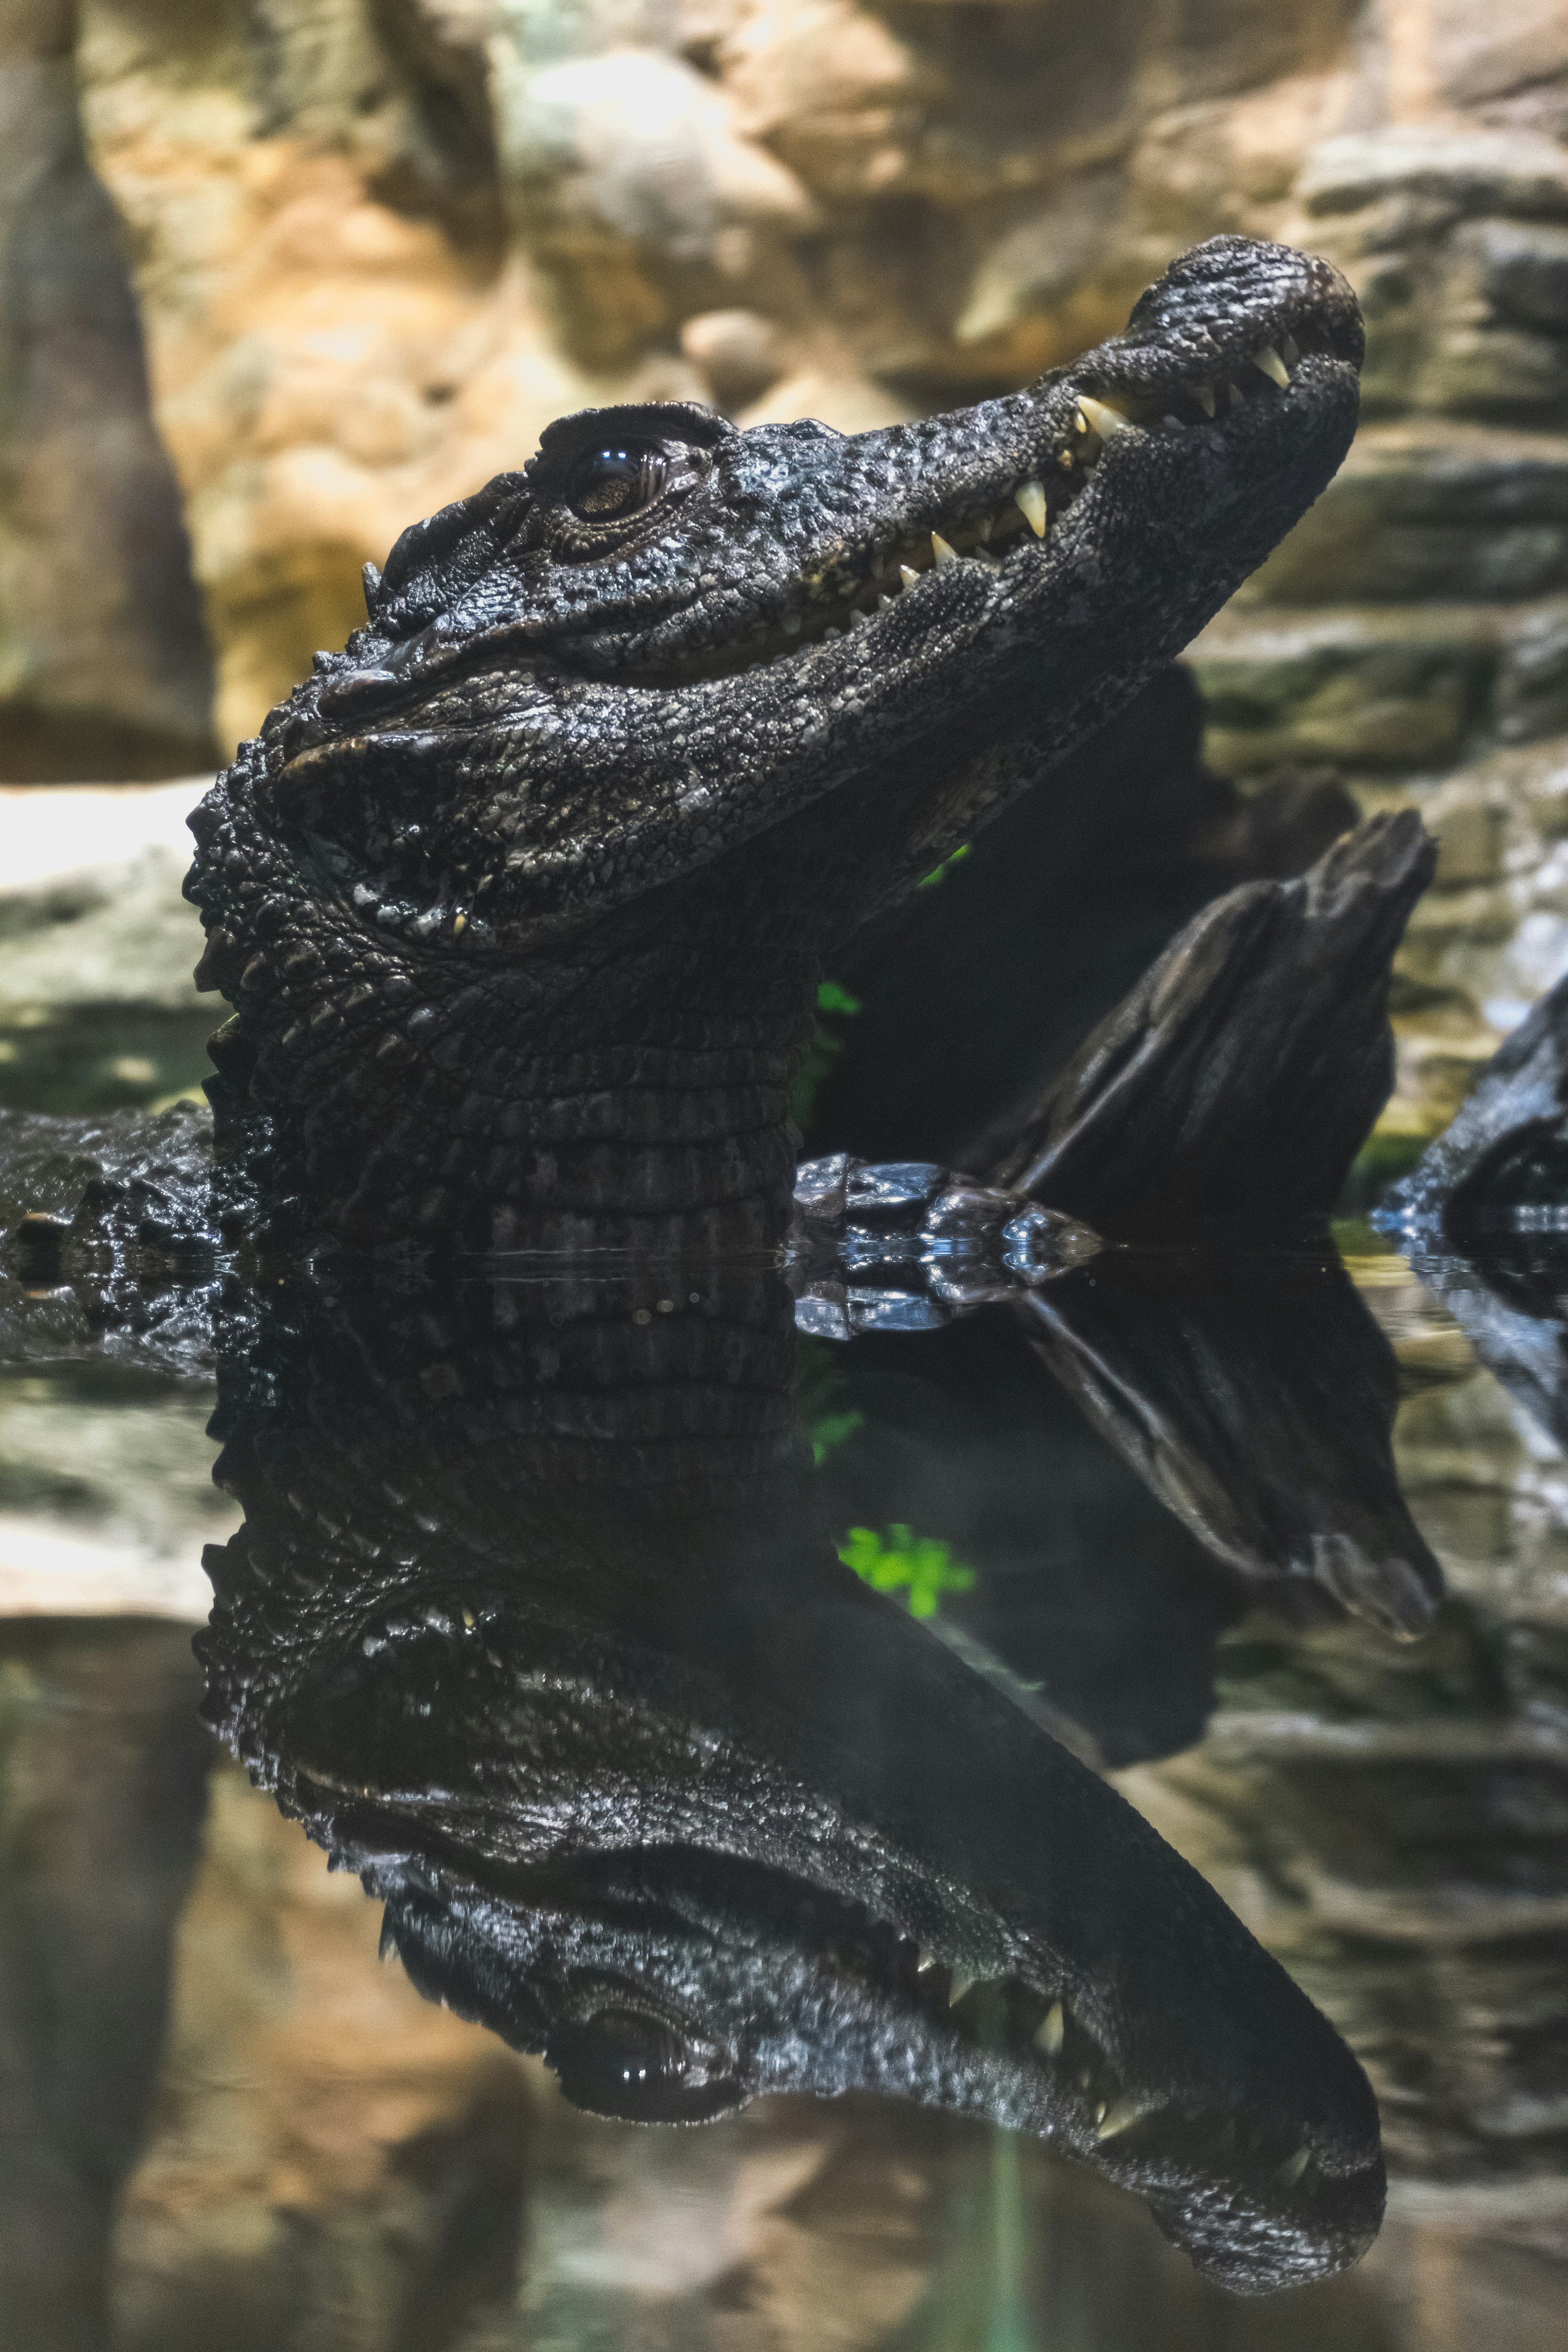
(523, 898)
(535, 1621)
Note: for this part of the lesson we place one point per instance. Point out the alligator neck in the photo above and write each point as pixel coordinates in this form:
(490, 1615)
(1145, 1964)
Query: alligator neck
(474, 1124)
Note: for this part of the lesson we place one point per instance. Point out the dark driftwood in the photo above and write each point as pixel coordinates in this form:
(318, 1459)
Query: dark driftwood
(1240, 1077)
(1255, 1396)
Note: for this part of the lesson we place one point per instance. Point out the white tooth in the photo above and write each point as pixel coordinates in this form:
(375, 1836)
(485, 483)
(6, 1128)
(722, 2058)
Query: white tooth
(957, 1990)
(907, 575)
(941, 551)
(1050, 2034)
(1105, 421)
(1269, 360)
(884, 604)
(858, 620)
(1174, 423)
(1126, 2111)
(1237, 397)
(1291, 350)
(925, 1960)
(1203, 394)
(831, 632)
(983, 555)
(1292, 2169)
(1030, 500)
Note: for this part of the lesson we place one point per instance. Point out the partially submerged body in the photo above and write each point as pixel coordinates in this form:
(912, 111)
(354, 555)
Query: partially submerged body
(521, 904)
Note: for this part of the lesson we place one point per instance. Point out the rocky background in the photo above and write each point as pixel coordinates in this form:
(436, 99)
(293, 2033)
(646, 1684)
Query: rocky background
(281, 275)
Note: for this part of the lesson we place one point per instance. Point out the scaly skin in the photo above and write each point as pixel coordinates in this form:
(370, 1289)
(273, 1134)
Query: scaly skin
(535, 1621)
(522, 898)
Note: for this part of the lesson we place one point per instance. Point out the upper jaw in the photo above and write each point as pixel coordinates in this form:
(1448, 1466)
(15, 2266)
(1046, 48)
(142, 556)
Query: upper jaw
(1235, 325)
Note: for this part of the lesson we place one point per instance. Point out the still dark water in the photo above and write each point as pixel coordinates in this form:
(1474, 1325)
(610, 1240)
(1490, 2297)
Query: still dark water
(596, 1619)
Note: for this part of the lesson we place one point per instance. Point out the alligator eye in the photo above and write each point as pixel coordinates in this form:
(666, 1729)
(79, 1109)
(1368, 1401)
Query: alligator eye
(622, 2063)
(606, 484)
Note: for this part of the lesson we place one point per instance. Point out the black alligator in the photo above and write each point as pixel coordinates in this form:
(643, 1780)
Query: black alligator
(522, 903)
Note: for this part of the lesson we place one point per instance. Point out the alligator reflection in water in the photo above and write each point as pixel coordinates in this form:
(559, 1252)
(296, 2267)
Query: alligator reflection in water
(536, 1621)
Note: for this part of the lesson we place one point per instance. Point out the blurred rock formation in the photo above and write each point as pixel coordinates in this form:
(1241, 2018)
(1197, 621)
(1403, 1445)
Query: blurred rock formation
(375, 244)
(104, 663)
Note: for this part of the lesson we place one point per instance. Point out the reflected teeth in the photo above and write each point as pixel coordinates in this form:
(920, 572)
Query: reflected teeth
(1030, 501)
(1051, 2032)
(1273, 366)
(1128, 2109)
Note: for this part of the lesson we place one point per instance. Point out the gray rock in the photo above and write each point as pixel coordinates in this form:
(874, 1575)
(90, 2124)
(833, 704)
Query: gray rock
(97, 1004)
(1471, 170)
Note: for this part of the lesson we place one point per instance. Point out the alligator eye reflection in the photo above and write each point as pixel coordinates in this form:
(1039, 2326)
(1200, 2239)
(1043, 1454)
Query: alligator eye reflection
(606, 484)
(623, 2064)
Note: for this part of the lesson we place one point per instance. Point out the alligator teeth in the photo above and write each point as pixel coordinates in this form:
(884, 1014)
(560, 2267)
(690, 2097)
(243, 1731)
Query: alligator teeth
(1273, 366)
(1128, 2109)
(925, 1961)
(1292, 2169)
(459, 925)
(1103, 420)
(1051, 2032)
(983, 555)
(957, 1989)
(858, 620)
(1203, 394)
(1291, 350)
(884, 604)
(1174, 423)
(908, 574)
(944, 553)
(1030, 500)
(831, 632)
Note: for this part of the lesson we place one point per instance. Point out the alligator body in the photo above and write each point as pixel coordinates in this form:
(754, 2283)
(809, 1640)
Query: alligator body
(520, 904)
(521, 901)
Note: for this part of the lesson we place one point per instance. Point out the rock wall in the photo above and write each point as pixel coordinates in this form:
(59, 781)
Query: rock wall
(375, 244)
(104, 663)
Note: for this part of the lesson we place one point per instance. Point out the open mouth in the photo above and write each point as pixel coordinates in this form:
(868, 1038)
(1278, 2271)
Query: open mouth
(1063, 2082)
(863, 583)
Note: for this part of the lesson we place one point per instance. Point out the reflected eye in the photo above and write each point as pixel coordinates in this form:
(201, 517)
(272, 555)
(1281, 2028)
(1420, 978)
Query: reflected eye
(620, 2061)
(606, 484)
